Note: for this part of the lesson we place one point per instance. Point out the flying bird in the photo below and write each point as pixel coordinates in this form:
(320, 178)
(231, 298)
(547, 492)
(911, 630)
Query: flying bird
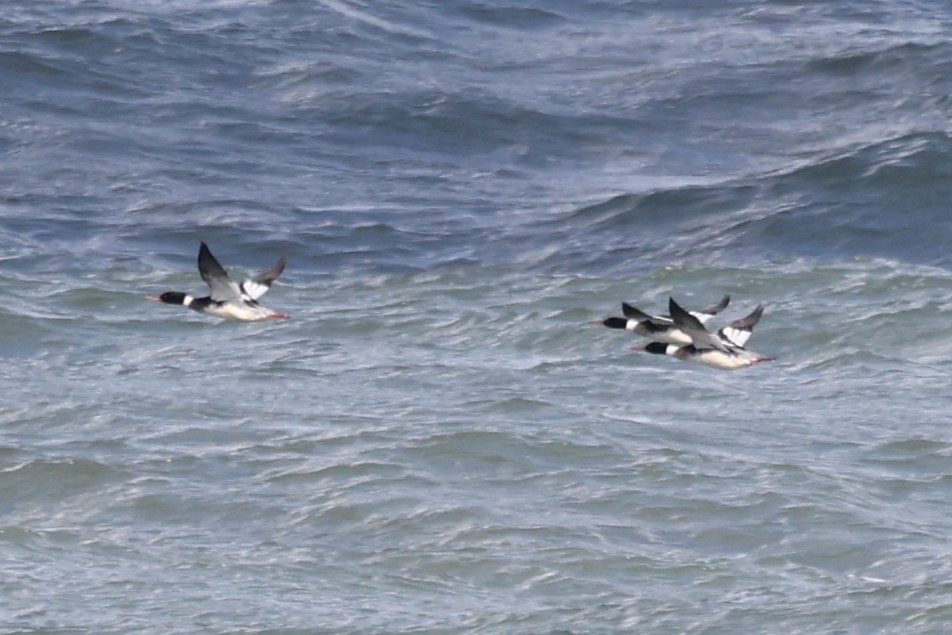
(228, 299)
(659, 328)
(723, 349)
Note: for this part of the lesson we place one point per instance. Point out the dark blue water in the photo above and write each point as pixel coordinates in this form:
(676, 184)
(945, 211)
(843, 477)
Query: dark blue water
(438, 441)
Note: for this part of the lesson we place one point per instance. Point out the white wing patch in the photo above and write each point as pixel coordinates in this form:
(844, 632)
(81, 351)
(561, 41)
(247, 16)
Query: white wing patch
(254, 288)
(739, 331)
(251, 290)
(737, 337)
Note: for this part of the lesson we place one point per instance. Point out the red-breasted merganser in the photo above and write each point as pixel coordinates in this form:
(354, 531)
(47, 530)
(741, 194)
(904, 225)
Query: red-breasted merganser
(724, 349)
(228, 299)
(659, 328)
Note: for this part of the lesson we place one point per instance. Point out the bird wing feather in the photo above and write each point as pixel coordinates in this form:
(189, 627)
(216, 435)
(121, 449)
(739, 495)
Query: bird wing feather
(223, 288)
(691, 325)
(256, 287)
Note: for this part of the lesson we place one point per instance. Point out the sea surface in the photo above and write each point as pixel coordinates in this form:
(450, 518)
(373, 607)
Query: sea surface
(439, 440)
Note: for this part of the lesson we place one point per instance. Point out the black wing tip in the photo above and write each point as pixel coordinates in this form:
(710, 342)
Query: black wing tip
(208, 265)
(682, 318)
(717, 308)
(272, 274)
(634, 313)
(749, 321)
(675, 310)
(203, 251)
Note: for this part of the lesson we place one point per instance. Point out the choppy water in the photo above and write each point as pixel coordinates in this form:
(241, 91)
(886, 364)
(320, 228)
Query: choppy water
(438, 441)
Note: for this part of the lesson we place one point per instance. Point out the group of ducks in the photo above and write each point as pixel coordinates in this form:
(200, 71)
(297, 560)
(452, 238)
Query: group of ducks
(680, 334)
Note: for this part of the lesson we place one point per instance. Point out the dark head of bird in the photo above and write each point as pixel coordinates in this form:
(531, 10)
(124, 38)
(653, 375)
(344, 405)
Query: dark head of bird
(613, 323)
(655, 348)
(169, 297)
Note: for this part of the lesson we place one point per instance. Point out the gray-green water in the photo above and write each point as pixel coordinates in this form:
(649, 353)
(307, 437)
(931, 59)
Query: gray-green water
(459, 450)
(439, 441)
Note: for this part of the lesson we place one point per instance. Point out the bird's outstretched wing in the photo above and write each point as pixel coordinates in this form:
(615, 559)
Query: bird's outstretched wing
(256, 287)
(701, 338)
(739, 331)
(706, 314)
(223, 289)
(703, 315)
(636, 314)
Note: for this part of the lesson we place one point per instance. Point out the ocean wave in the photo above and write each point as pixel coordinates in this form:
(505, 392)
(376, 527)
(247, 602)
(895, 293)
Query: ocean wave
(873, 201)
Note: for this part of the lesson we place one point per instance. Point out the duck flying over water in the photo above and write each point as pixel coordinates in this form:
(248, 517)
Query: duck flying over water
(723, 349)
(228, 299)
(659, 328)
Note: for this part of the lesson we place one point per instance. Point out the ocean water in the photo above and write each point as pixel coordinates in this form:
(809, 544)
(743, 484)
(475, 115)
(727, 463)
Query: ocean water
(438, 440)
